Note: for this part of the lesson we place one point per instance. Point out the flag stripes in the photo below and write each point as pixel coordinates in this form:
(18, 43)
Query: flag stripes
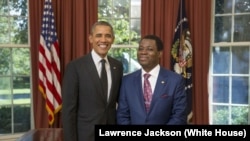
(49, 63)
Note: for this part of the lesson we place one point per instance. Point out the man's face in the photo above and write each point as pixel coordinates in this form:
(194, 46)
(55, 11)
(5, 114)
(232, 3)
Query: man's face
(147, 54)
(101, 39)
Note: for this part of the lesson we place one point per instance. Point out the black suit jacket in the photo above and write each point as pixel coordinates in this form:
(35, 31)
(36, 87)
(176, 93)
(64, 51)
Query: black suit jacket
(84, 104)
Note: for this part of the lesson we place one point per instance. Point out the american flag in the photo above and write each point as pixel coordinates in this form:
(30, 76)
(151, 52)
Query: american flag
(49, 63)
(182, 52)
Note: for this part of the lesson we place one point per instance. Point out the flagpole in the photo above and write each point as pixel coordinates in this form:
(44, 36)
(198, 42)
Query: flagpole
(181, 54)
(181, 16)
(180, 33)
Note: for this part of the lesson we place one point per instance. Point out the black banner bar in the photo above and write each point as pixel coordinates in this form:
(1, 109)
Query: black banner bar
(163, 132)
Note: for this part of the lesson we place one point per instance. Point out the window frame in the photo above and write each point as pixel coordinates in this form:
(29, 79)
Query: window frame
(230, 74)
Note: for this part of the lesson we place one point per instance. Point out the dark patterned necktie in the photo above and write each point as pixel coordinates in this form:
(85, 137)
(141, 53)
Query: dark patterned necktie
(104, 78)
(147, 91)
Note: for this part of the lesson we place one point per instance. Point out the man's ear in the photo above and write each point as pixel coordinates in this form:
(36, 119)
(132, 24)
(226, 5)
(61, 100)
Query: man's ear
(90, 38)
(113, 39)
(160, 54)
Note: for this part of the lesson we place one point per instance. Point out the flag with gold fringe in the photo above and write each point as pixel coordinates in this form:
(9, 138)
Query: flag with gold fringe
(49, 63)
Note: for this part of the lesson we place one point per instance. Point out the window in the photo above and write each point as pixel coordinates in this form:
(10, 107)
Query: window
(15, 104)
(124, 15)
(230, 63)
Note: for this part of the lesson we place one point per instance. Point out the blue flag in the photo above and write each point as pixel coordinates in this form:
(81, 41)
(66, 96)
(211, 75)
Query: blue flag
(181, 53)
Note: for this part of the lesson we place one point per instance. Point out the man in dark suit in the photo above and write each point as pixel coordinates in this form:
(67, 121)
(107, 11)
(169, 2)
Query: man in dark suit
(85, 103)
(166, 102)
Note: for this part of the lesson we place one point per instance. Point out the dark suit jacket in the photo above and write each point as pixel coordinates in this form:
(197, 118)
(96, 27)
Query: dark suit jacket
(84, 104)
(168, 105)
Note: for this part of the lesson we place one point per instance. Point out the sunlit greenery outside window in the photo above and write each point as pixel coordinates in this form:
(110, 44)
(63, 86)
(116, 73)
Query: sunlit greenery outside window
(15, 103)
(125, 17)
(230, 63)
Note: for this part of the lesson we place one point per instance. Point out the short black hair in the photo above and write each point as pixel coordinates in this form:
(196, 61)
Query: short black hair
(157, 40)
(102, 23)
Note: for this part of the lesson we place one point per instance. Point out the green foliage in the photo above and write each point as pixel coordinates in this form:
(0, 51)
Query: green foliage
(21, 118)
(21, 30)
(239, 116)
(117, 13)
(5, 57)
(15, 61)
(220, 116)
(5, 119)
(114, 9)
(21, 61)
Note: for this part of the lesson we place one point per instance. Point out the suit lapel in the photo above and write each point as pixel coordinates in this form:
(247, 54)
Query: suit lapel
(94, 75)
(114, 76)
(138, 89)
(160, 85)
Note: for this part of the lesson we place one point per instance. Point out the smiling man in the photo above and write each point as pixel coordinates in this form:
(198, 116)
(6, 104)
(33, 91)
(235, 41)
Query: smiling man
(85, 101)
(153, 94)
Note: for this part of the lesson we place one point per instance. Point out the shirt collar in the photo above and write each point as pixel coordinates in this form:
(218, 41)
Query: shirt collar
(97, 58)
(154, 72)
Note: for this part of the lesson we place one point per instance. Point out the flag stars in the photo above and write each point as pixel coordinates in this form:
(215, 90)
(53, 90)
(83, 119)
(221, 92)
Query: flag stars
(48, 28)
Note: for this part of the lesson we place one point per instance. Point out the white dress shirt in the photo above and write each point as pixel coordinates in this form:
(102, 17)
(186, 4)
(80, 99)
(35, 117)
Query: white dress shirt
(153, 78)
(97, 60)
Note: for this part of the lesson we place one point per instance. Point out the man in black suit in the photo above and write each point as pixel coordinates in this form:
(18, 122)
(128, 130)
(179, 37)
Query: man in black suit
(85, 103)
